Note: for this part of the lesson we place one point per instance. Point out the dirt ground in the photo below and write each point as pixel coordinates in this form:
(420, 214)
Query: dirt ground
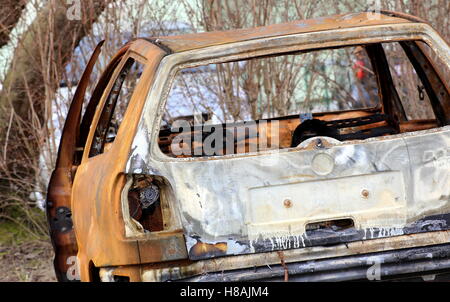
(23, 258)
(27, 262)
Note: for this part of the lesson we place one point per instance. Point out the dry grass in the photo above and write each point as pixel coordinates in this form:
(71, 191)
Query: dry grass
(27, 262)
(22, 257)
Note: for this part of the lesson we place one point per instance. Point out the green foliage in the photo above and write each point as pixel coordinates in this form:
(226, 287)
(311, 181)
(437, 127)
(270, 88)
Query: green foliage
(20, 224)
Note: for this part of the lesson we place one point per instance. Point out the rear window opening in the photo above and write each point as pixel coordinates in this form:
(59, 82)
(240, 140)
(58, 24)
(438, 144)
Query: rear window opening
(278, 102)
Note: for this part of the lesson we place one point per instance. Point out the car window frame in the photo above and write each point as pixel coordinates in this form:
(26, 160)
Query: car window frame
(104, 97)
(426, 70)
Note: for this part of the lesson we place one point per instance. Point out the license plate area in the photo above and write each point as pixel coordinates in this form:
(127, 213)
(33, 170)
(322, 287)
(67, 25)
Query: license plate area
(368, 201)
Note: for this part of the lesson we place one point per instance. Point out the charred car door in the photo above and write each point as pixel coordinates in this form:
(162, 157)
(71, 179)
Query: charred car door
(100, 179)
(73, 138)
(58, 204)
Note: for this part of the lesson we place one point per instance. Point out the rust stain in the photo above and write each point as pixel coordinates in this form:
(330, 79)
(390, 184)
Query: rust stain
(207, 249)
(283, 264)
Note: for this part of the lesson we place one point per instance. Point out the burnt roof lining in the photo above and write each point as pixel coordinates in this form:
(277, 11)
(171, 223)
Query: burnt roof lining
(401, 16)
(185, 42)
(158, 43)
(167, 47)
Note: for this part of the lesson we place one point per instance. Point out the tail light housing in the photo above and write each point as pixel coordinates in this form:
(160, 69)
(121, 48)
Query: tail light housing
(144, 203)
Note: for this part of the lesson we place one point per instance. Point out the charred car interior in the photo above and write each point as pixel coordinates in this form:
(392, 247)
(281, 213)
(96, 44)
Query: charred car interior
(371, 104)
(296, 151)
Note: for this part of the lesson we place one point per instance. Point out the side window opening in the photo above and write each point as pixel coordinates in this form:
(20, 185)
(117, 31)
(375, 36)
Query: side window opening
(410, 88)
(115, 106)
(434, 74)
(89, 111)
(278, 102)
(436, 61)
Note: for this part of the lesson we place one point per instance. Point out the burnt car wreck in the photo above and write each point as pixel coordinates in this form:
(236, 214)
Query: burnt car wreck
(163, 178)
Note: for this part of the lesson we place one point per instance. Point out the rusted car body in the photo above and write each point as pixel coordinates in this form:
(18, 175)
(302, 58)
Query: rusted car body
(325, 210)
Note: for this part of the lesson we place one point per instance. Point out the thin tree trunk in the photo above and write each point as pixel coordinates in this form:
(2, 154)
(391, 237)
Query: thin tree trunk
(10, 12)
(31, 82)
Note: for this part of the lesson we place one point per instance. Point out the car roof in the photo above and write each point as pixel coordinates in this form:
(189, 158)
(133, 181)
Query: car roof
(187, 42)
